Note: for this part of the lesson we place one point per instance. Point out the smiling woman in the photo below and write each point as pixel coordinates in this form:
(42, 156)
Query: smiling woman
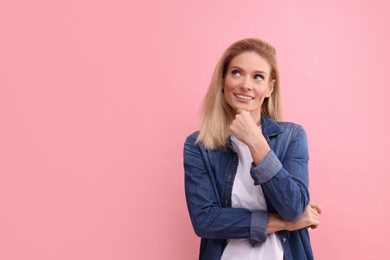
(247, 83)
(246, 172)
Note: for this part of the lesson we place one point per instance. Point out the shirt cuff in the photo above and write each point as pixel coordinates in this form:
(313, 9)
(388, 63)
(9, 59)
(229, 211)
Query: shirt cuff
(259, 223)
(266, 169)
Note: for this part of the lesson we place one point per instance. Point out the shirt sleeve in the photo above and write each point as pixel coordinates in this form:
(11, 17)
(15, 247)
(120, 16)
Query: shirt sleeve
(285, 182)
(209, 219)
(266, 169)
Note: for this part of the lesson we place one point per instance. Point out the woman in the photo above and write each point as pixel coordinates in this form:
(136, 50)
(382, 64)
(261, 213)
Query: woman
(246, 173)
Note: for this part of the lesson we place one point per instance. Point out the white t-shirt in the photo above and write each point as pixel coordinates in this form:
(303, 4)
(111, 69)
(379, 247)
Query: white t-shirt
(249, 196)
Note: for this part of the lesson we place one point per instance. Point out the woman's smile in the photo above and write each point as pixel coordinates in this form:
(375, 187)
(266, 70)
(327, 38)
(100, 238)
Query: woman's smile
(243, 97)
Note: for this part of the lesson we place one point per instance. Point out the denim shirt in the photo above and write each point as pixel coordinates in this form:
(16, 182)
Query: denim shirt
(282, 174)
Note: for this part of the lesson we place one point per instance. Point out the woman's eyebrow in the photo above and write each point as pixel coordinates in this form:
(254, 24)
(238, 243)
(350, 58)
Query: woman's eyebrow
(260, 72)
(256, 71)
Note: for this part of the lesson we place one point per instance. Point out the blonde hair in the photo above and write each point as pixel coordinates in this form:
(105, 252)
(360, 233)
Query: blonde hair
(216, 115)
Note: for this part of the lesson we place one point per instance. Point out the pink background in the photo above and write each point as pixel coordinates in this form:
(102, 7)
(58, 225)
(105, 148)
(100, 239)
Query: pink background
(97, 97)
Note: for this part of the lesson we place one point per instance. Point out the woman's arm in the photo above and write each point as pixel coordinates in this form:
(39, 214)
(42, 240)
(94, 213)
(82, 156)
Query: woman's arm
(208, 218)
(310, 218)
(284, 183)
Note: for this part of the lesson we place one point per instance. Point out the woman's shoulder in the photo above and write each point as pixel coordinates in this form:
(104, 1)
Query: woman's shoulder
(292, 129)
(274, 127)
(193, 136)
(289, 125)
(192, 140)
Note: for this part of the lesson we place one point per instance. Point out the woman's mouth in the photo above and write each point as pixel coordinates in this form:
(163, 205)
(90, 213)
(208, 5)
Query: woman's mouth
(244, 97)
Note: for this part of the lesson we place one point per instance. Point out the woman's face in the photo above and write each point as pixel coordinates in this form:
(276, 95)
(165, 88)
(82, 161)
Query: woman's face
(247, 82)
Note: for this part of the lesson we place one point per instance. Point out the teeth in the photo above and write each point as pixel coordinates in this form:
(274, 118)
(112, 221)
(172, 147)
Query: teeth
(244, 97)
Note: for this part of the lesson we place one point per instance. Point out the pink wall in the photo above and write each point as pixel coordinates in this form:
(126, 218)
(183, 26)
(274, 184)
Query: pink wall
(97, 97)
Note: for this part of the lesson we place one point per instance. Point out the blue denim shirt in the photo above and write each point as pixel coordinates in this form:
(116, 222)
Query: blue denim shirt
(282, 174)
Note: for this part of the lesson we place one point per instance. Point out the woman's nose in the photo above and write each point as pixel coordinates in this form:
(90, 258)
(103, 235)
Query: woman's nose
(246, 84)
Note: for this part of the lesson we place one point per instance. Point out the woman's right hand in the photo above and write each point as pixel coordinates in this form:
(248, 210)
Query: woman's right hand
(310, 218)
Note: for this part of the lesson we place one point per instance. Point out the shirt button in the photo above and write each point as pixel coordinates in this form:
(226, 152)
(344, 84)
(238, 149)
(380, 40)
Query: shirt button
(284, 240)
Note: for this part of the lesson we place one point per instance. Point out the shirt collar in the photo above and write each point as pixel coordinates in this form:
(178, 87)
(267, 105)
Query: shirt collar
(269, 127)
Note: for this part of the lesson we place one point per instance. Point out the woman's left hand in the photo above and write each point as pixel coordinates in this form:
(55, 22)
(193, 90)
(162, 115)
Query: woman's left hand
(245, 129)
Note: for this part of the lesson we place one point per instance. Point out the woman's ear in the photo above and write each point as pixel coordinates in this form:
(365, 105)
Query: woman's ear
(271, 87)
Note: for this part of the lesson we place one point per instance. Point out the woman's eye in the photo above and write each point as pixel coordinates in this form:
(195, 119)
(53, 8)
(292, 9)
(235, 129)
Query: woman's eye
(258, 77)
(236, 73)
